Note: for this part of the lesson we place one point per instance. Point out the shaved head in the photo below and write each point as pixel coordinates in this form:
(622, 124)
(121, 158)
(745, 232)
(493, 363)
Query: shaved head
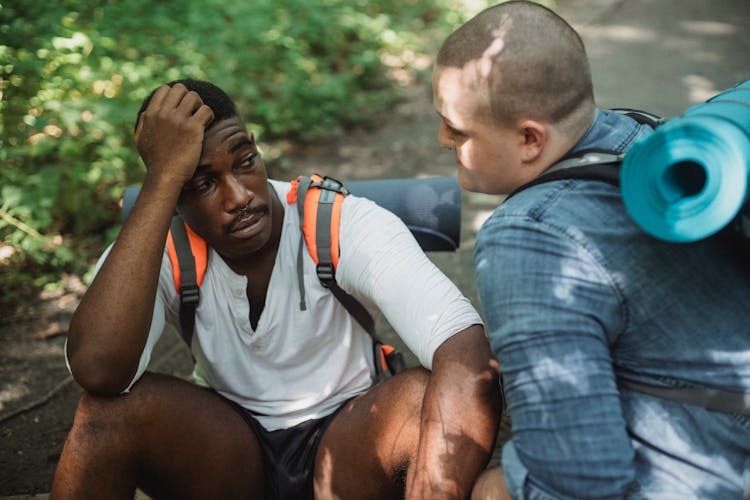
(527, 61)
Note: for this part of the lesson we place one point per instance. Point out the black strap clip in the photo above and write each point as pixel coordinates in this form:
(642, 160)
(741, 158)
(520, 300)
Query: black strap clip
(325, 273)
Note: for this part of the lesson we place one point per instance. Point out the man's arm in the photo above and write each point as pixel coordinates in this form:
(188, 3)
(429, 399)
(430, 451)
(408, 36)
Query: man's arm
(551, 330)
(110, 326)
(460, 417)
(461, 406)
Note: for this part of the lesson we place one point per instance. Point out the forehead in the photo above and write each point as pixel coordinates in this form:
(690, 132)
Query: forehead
(224, 135)
(458, 94)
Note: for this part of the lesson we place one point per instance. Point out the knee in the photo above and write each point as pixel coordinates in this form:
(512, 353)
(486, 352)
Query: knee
(106, 416)
(100, 418)
(490, 486)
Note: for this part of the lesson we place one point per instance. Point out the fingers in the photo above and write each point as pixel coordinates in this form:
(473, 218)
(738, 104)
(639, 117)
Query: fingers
(186, 102)
(171, 131)
(191, 104)
(174, 96)
(204, 115)
(158, 97)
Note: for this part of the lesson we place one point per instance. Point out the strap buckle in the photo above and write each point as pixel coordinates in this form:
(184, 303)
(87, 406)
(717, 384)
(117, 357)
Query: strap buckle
(189, 294)
(325, 273)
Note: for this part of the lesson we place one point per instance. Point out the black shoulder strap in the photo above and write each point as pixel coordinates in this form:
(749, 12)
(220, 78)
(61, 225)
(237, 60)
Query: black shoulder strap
(189, 291)
(591, 165)
(642, 117)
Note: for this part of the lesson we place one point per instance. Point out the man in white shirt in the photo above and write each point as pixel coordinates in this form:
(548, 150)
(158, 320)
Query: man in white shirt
(288, 408)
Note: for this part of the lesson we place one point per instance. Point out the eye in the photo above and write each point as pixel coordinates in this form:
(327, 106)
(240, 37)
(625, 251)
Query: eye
(202, 185)
(456, 134)
(248, 161)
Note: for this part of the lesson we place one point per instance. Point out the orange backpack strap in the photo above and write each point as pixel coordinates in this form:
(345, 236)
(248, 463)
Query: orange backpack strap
(319, 200)
(188, 254)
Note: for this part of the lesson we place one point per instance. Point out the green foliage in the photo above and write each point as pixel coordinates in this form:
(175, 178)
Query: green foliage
(73, 74)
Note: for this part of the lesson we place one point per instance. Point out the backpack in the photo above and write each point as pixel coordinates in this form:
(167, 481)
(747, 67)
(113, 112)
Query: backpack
(318, 200)
(604, 166)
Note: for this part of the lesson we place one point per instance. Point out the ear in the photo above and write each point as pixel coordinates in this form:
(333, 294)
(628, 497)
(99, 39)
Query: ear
(534, 137)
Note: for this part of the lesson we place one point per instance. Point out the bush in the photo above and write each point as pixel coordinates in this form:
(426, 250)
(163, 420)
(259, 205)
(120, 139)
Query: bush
(74, 73)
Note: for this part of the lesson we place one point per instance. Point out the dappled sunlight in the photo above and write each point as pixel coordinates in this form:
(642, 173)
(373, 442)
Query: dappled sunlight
(572, 274)
(562, 369)
(618, 33)
(478, 207)
(13, 391)
(708, 28)
(699, 88)
(324, 479)
(479, 219)
(401, 66)
(6, 252)
(676, 438)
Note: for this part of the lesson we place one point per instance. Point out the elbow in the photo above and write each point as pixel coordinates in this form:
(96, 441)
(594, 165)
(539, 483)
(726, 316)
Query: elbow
(98, 374)
(470, 350)
(97, 381)
(608, 475)
(467, 357)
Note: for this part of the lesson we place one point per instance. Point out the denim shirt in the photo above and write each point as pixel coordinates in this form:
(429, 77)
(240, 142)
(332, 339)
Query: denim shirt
(574, 294)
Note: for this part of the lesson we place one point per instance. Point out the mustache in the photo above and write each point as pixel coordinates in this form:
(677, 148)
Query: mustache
(244, 213)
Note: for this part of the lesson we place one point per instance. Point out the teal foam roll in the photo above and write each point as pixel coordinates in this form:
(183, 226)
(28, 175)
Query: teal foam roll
(689, 179)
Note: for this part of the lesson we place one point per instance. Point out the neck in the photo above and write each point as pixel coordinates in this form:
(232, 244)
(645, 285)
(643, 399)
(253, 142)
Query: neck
(565, 135)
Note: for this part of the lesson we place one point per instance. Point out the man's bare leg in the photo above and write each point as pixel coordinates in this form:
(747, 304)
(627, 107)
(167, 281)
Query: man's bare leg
(366, 451)
(167, 437)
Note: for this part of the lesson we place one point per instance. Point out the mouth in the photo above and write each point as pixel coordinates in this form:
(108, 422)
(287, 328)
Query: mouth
(248, 224)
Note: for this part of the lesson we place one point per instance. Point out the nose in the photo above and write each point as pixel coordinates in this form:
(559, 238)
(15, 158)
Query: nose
(445, 138)
(236, 195)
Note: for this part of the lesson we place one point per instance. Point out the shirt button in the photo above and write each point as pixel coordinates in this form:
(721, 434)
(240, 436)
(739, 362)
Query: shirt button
(238, 292)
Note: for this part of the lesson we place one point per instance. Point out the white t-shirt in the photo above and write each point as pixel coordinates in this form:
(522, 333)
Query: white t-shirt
(299, 365)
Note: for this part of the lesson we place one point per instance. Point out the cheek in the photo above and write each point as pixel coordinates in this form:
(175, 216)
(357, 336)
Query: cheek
(470, 156)
(203, 220)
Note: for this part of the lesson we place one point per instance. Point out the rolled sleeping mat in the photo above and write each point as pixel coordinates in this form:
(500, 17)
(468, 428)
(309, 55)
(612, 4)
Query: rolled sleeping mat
(430, 208)
(689, 179)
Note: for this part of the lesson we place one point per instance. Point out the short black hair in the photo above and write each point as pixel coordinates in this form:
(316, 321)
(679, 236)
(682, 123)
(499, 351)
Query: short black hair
(212, 96)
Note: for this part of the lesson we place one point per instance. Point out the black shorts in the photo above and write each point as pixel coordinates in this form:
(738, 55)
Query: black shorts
(289, 455)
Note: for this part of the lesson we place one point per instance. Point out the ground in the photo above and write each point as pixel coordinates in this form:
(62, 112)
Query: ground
(660, 56)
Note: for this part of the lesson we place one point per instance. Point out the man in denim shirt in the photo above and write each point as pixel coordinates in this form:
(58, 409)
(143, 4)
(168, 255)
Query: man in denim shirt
(577, 297)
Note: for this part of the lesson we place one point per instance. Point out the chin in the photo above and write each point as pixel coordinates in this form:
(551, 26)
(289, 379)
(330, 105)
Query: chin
(471, 183)
(464, 180)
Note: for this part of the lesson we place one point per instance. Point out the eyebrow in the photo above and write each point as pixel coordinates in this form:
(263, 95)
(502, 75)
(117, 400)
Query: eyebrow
(201, 168)
(233, 148)
(242, 142)
(447, 121)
